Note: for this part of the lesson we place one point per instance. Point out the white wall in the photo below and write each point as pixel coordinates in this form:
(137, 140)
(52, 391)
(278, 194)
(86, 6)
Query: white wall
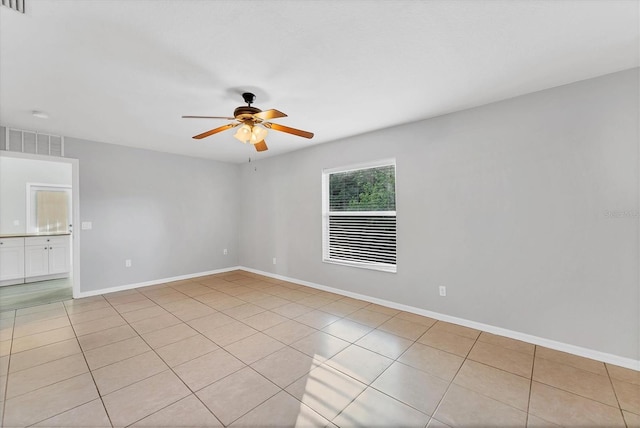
(171, 215)
(506, 204)
(15, 173)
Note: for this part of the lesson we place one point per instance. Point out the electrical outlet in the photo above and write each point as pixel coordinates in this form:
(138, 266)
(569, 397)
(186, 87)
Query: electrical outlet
(443, 290)
(16, 222)
(274, 260)
(86, 225)
(225, 252)
(127, 263)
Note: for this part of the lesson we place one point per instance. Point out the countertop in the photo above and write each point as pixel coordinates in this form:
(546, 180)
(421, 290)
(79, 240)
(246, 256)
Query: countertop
(29, 235)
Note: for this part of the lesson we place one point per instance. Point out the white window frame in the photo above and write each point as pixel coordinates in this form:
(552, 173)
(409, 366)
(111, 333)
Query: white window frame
(326, 213)
(32, 189)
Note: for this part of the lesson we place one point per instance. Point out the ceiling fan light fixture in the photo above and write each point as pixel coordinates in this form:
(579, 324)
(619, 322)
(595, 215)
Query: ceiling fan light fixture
(258, 134)
(244, 133)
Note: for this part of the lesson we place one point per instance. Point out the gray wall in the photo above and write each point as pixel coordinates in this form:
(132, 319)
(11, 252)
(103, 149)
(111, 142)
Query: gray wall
(508, 205)
(171, 215)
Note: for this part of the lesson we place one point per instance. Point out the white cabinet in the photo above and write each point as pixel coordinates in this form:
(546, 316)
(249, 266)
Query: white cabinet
(46, 256)
(59, 255)
(36, 260)
(11, 259)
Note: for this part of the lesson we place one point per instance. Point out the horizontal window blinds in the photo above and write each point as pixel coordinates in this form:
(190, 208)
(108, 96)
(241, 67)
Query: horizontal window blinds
(366, 239)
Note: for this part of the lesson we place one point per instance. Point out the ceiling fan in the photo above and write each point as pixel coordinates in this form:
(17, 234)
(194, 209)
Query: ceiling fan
(253, 124)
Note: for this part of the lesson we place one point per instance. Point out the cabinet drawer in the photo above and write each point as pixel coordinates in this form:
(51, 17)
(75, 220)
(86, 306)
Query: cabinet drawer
(46, 240)
(11, 242)
(59, 240)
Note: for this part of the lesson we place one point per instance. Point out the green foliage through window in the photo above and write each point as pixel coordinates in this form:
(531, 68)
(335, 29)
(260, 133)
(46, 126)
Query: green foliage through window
(371, 189)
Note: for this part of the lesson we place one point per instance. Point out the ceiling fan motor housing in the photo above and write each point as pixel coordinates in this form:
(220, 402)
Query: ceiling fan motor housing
(243, 113)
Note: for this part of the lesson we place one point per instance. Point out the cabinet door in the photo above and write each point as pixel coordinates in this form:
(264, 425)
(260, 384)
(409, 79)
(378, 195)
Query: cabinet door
(59, 260)
(11, 262)
(36, 260)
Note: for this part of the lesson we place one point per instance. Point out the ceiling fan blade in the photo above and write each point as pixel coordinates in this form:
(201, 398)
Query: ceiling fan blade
(216, 130)
(208, 117)
(270, 114)
(261, 146)
(288, 130)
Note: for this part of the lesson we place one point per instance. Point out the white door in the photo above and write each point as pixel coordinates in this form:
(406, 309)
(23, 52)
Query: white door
(36, 260)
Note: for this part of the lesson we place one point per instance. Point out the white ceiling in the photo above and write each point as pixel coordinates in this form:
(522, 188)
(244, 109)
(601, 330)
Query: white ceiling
(124, 71)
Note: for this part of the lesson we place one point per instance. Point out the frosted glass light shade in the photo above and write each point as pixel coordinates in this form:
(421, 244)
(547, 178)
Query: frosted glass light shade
(244, 133)
(258, 134)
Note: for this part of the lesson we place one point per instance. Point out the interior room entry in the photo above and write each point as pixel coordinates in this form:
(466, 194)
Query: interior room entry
(39, 202)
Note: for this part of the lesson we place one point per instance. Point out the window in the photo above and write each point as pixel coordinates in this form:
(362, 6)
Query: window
(359, 215)
(48, 208)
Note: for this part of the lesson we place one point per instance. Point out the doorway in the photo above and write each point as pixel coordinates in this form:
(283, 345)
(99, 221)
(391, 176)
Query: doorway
(39, 198)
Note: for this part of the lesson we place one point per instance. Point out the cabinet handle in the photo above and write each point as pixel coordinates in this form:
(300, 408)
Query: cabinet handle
(45, 248)
(51, 248)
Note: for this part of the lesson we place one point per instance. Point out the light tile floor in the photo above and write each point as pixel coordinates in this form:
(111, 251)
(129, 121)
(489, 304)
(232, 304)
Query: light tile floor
(240, 349)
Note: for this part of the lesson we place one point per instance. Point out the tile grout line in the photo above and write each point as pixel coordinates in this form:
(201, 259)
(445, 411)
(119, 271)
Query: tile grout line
(89, 369)
(455, 375)
(615, 394)
(43, 331)
(259, 404)
(533, 366)
(59, 413)
(577, 394)
(6, 384)
(102, 346)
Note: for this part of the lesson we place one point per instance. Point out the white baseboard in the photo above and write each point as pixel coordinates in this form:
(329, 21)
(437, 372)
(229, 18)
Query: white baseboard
(11, 282)
(30, 279)
(153, 282)
(548, 343)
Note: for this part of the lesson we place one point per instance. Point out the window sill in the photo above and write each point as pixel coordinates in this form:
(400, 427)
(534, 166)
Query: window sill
(382, 268)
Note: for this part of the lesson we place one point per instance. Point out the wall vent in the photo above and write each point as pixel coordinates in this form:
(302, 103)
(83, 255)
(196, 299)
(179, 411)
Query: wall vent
(17, 140)
(17, 5)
